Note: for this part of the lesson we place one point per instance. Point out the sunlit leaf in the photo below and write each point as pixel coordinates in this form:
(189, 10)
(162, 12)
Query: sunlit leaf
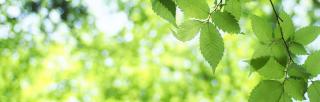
(314, 91)
(295, 88)
(306, 35)
(266, 91)
(312, 64)
(187, 30)
(297, 49)
(165, 9)
(287, 26)
(272, 70)
(262, 29)
(226, 22)
(211, 45)
(194, 8)
(234, 7)
(285, 97)
(297, 71)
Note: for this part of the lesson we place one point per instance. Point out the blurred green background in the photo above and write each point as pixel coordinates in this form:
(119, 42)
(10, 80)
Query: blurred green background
(120, 50)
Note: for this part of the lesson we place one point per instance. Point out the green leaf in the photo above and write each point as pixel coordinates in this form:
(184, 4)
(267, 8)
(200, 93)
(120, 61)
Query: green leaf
(297, 49)
(295, 88)
(211, 45)
(272, 70)
(165, 9)
(188, 30)
(285, 98)
(312, 64)
(263, 52)
(226, 22)
(314, 91)
(262, 29)
(278, 51)
(287, 26)
(297, 71)
(258, 63)
(267, 91)
(234, 7)
(194, 8)
(306, 35)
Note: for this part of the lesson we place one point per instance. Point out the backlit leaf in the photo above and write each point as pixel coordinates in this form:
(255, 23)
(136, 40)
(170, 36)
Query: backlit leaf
(267, 91)
(187, 30)
(272, 70)
(312, 64)
(194, 8)
(262, 29)
(165, 9)
(287, 26)
(314, 91)
(226, 22)
(297, 71)
(234, 7)
(295, 88)
(211, 45)
(306, 35)
(297, 49)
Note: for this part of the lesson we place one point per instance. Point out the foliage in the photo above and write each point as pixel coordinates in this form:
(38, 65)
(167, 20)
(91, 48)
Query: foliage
(69, 51)
(121, 50)
(279, 44)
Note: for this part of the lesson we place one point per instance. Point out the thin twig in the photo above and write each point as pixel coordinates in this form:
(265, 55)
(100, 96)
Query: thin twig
(284, 41)
(281, 32)
(216, 7)
(275, 12)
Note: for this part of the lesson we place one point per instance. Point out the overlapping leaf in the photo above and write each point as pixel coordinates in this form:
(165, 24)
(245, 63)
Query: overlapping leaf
(165, 9)
(272, 70)
(297, 49)
(312, 64)
(287, 27)
(306, 35)
(263, 52)
(194, 8)
(297, 71)
(262, 29)
(234, 7)
(314, 92)
(187, 30)
(285, 97)
(267, 91)
(260, 56)
(226, 22)
(295, 88)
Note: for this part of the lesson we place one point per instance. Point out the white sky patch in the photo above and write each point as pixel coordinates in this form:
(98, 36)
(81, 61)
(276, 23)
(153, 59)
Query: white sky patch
(108, 19)
(288, 5)
(314, 45)
(317, 12)
(31, 23)
(301, 10)
(2, 1)
(54, 16)
(108, 62)
(4, 31)
(13, 11)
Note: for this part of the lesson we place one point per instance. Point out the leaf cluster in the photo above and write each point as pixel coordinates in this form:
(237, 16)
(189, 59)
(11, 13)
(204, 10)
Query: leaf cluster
(274, 57)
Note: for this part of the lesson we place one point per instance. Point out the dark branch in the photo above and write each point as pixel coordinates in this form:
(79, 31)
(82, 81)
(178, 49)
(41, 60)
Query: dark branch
(281, 32)
(275, 12)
